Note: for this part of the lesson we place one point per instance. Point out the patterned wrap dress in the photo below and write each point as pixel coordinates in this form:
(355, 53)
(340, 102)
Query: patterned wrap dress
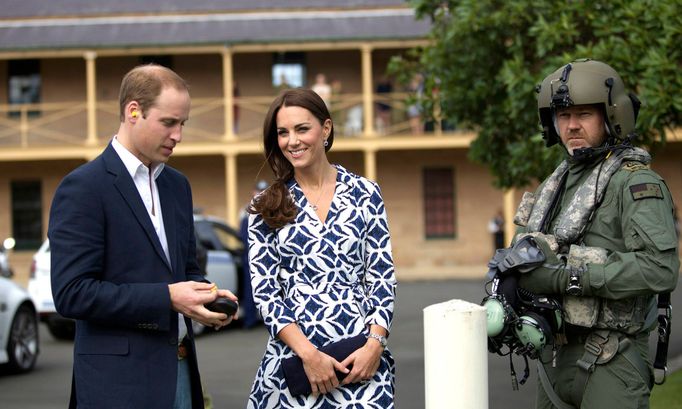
(333, 280)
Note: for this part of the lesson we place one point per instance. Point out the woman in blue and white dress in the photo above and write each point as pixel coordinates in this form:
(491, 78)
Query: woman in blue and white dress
(321, 266)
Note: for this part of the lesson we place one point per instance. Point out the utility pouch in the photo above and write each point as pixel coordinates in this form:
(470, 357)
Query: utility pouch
(525, 207)
(583, 311)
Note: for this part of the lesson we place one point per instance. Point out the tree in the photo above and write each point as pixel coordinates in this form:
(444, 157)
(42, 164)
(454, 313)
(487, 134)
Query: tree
(487, 56)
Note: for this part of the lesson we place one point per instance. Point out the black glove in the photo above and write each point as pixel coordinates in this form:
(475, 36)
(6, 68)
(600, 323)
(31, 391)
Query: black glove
(523, 256)
(551, 277)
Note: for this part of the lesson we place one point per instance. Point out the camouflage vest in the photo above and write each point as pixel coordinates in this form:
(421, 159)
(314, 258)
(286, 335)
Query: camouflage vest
(627, 315)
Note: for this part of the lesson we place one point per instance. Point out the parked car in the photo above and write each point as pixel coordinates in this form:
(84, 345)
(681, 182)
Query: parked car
(18, 328)
(5, 269)
(223, 259)
(40, 289)
(224, 249)
(220, 240)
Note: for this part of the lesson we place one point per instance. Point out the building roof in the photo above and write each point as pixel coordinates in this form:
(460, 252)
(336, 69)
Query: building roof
(35, 24)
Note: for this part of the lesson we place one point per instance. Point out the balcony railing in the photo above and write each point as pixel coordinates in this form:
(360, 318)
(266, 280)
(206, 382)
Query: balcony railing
(66, 123)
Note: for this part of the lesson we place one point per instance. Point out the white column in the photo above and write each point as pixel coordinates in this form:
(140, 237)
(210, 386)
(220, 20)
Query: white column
(455, 356)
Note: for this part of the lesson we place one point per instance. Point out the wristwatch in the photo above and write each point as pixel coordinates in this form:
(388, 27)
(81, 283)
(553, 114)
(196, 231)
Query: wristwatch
(575, 286)
(382, 339)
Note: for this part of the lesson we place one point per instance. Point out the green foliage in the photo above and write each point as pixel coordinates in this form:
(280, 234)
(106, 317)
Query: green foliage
(487, 56)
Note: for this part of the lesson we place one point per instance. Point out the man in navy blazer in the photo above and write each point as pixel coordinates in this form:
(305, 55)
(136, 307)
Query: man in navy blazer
(124, 258)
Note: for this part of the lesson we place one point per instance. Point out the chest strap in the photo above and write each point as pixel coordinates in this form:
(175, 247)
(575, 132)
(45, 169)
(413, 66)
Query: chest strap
(574, 218)
(549, 389)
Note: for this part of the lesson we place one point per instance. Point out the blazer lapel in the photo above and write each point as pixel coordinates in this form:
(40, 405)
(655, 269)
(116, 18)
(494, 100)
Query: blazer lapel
(125, 185)
(168, 212)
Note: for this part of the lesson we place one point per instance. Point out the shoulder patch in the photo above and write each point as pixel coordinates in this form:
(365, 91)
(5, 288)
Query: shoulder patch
(646, 190)
(633, 166)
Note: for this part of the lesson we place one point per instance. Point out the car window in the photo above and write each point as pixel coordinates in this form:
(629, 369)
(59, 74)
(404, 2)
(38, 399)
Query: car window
(206, 236)
(218, 236)
(229, 238)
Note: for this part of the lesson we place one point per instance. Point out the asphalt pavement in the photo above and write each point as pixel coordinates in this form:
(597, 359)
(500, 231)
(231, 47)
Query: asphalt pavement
(229, 358)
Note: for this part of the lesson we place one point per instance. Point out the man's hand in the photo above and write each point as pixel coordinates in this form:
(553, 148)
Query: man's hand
(189, 297)
(549, 278)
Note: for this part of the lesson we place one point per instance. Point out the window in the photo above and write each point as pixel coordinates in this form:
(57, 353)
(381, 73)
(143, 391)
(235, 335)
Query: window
(439, 203)
(288, 70)
(27, 214)
(23, 84)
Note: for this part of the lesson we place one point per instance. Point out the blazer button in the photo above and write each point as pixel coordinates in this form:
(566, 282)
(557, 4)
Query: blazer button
(173, 341)
(155, 326)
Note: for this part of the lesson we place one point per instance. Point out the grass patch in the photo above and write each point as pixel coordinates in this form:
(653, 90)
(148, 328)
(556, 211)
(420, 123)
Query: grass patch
(668, 395)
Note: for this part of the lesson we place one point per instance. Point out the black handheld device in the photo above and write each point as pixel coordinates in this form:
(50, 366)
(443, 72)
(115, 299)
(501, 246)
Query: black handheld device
(224, 305)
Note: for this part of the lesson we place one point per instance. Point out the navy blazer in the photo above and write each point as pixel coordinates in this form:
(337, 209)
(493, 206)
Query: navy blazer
(109, 272)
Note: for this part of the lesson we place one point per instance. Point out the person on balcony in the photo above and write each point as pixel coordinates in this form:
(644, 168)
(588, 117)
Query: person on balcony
(323, 89)
(383, 106)
(414, 110)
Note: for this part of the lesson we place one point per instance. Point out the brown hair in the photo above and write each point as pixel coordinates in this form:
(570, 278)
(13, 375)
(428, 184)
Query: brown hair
(144, 83)
(275, 204)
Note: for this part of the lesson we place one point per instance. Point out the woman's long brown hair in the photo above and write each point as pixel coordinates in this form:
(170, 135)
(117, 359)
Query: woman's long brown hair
(275, 204)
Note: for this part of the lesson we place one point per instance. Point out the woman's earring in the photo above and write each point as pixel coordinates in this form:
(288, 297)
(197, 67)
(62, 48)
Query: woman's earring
(326, 143)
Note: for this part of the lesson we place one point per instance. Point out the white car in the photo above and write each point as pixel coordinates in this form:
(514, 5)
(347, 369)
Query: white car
(5, 269)
(40, 289)
(18, 328)
(222, 268)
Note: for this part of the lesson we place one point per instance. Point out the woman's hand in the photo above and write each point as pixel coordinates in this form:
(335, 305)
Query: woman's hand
(365, 362)
(319, 368)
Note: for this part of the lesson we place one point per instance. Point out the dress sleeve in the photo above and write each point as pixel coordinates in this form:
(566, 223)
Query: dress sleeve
(264, 262)
(380, 281)
(650, 264)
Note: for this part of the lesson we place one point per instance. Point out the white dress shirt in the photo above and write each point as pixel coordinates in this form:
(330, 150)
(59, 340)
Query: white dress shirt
(149, 192)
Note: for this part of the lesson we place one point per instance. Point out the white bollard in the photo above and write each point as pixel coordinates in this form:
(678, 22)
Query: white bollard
(455, 356)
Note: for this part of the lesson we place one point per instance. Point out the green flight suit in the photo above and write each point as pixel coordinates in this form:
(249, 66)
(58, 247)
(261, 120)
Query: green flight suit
(635, 224)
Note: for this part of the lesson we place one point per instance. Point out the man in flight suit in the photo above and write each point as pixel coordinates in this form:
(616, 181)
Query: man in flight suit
(604, 221)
